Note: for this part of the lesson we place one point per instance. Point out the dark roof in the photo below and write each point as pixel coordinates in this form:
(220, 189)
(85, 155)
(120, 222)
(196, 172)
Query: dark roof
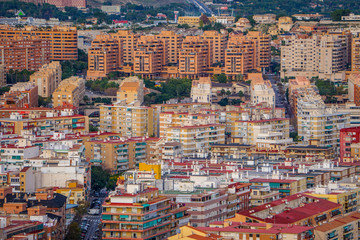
(58, 201)
(231, 145)
(53, 216)
(308, 147)
(221, 85)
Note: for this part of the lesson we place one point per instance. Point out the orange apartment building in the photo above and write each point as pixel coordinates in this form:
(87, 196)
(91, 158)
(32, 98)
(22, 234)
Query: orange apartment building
(21, 53)
(149, 56)
(239, 56)
(2, 75)
(103, 56)
(217, 44)
(355, 54)
(172, 43)
(171, 55)
(62, 39)
(261, 48)
(195, 57)
(127, 44)
(28, 89)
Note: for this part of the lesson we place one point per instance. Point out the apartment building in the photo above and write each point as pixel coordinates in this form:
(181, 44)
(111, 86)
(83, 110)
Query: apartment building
(74, 192)
(355, 54)
(62, 39)
(346, 37)
(47, 78)
(201, 90)
(246, 52)
(127, 41)
(354, 88)
(14, 100)
(265, 133)
(346, 227)
(265, 18)
(2, 75)
(19, 53)
(262, 195)
(195, 57)
(103, 56)
(285, 187)
(168, 119)
(190, 233)
(261, 231)
(262, 92)
(140, 213)
(204, 207)
(348, 197)
(285, 23)
(65, 123)
(170, 55)
(119, 154)
(239, 56)
(22, 212)
(189, 20)
(318, 123)
(217, 44)
(172, 43)
(194, 137)
(131, 90)
(149, 56)
(299, 209)
(130, 121)
(243, 24)
(29, 89)
(299, 83)
(70, 91)
(20, 95)
(324, 56)
(349, 137)
(261, 48)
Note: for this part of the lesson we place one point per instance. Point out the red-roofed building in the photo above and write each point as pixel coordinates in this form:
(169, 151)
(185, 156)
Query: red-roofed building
(298, 209)
(137, 213)
(285, 187)
(348, 137)
(342, 228)
(262, 231)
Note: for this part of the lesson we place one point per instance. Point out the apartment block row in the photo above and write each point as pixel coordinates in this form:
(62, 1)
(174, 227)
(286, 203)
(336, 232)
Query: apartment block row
(320, 55)
(171, 55)
(61, 41)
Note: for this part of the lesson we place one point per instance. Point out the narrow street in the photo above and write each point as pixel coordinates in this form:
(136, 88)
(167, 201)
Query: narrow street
(94, 221)
(280, 99)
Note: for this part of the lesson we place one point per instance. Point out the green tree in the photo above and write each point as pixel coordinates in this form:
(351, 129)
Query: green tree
(44, 101)
(201, 23)
(240, 93)
(221, 78)
(111, 184)
(224, 102)
(222, 92)
(92, 128)
(228, 93)
(294, 136)
(337, 14)
(74, 232)
(252, 21)
(99, 178)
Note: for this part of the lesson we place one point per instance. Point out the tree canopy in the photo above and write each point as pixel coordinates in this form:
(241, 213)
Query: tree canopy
(337, 14)
(173, 88)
